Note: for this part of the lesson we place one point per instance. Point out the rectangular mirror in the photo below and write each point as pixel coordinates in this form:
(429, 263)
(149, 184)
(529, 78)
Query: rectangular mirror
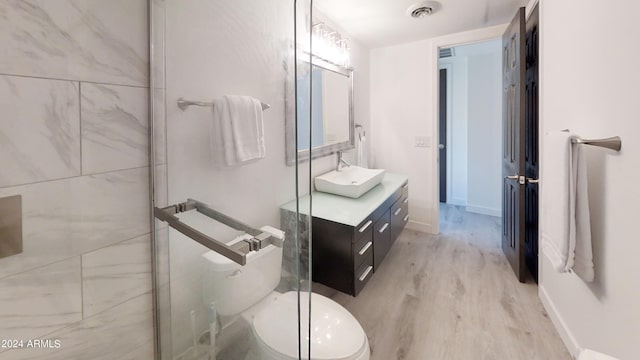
(330, 106)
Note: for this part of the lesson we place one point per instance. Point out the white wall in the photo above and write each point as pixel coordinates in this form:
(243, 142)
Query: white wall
(457, 130)
(403, 90)
(583, 90)
(485, 132)
(401, 99)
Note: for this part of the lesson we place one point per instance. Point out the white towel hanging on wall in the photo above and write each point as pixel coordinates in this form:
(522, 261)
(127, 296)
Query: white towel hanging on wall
(237, 130)
(565, 219)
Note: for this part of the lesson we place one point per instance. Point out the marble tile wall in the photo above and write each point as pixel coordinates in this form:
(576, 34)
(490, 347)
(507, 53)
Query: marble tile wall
(85, 40)
(114, 127)
(40, 136)
(73, 142)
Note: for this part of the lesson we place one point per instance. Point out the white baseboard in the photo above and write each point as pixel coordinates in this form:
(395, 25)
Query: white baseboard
(484, 210)
(457, 201)
(420, 226)
(565, 334)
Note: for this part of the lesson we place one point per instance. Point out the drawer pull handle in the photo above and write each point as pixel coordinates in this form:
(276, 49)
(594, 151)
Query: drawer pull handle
(383, 228)
(362, 229)
(365, 273)
(365, 248)
(406, 218)
(405, 201)
(406, 186)
(397, 212)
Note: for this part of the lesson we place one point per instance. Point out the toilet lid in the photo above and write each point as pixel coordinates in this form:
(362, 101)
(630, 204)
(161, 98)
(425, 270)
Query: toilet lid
(335, 333)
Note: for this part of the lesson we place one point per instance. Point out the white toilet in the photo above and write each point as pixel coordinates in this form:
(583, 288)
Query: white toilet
(249, 291)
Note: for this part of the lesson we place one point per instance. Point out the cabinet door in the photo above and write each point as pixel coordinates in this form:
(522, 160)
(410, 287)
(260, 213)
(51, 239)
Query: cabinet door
(381, 239)
(362, 276)
(363, 250)
(399, 211)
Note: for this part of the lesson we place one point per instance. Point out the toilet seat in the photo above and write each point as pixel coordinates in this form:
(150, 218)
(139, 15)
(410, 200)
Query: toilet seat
(335, 333)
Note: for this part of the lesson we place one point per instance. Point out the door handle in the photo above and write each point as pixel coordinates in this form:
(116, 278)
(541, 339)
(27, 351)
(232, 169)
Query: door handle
(521, 179)
(363, 228)
(365, 248)
(533, 181)
(365, 273)
(441, 146)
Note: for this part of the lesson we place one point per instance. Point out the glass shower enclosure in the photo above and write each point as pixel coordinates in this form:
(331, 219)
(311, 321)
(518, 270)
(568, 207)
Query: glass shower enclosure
(231, 267)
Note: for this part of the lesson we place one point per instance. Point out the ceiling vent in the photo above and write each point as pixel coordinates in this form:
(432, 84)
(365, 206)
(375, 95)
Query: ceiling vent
(422, 9)
(446, 53)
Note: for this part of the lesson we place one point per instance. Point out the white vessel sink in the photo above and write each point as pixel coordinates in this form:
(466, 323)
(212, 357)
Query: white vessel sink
(351, 181)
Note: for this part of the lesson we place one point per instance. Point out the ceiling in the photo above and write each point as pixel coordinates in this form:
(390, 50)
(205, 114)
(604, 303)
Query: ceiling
(378, 23)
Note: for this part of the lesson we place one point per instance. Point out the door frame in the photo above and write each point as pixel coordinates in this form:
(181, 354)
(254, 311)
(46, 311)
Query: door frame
(449, 68)
(464, 38)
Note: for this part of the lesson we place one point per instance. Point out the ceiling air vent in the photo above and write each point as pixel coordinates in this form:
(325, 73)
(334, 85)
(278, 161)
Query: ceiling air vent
(446, 52)
(423, 9)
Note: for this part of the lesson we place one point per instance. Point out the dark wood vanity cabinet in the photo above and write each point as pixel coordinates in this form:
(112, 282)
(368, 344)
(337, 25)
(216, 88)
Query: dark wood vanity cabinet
(345, 257)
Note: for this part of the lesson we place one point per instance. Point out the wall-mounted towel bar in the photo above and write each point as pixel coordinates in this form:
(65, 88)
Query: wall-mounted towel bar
(613, 143)
(236, 252)
(184, 104)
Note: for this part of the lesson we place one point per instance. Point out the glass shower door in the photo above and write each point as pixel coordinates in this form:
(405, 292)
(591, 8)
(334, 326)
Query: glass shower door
(231, 263)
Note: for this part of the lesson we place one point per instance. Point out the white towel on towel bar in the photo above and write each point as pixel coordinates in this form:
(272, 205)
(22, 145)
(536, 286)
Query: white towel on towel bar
(555, 217)
(583, 259)
(362, 155)
(565, 226)
(238, 130)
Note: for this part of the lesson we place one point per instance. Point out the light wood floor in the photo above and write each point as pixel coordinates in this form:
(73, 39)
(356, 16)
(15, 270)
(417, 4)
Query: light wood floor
(452, 296)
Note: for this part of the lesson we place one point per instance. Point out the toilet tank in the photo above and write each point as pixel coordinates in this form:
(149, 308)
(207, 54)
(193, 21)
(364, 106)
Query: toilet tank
(235, 288)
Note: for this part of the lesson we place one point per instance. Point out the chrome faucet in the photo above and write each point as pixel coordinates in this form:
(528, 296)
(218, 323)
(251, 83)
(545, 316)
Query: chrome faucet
(341, 162)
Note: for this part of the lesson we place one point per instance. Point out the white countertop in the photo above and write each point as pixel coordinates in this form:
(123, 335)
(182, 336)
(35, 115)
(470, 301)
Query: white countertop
(345, 210)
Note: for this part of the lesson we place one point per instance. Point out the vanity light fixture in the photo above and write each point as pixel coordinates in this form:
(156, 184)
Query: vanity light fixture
(329, 45)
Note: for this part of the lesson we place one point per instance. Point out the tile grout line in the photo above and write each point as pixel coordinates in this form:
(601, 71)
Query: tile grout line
(71, 257)
(72, 324)
(80, 123)
(73, 80)
(79, 176)
(82, 287)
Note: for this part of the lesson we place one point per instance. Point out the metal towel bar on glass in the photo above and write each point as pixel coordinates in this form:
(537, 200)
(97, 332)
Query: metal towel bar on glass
(236, 252)
(183, 104)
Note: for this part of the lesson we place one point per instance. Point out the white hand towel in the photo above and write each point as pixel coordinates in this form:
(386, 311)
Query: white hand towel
(239, 130)
(583, 260)
(556, 187)
(565, 220)
(362, 160)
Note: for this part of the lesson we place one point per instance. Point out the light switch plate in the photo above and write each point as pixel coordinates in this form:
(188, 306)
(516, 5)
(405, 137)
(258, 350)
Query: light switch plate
(423, 141)
(10, 226)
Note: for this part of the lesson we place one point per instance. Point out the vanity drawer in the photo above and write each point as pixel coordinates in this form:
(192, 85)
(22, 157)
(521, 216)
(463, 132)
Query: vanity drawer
(364, 229)
(362, 276)
(381, 239)
(405, 190)
(363, 250)
(399, 213)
